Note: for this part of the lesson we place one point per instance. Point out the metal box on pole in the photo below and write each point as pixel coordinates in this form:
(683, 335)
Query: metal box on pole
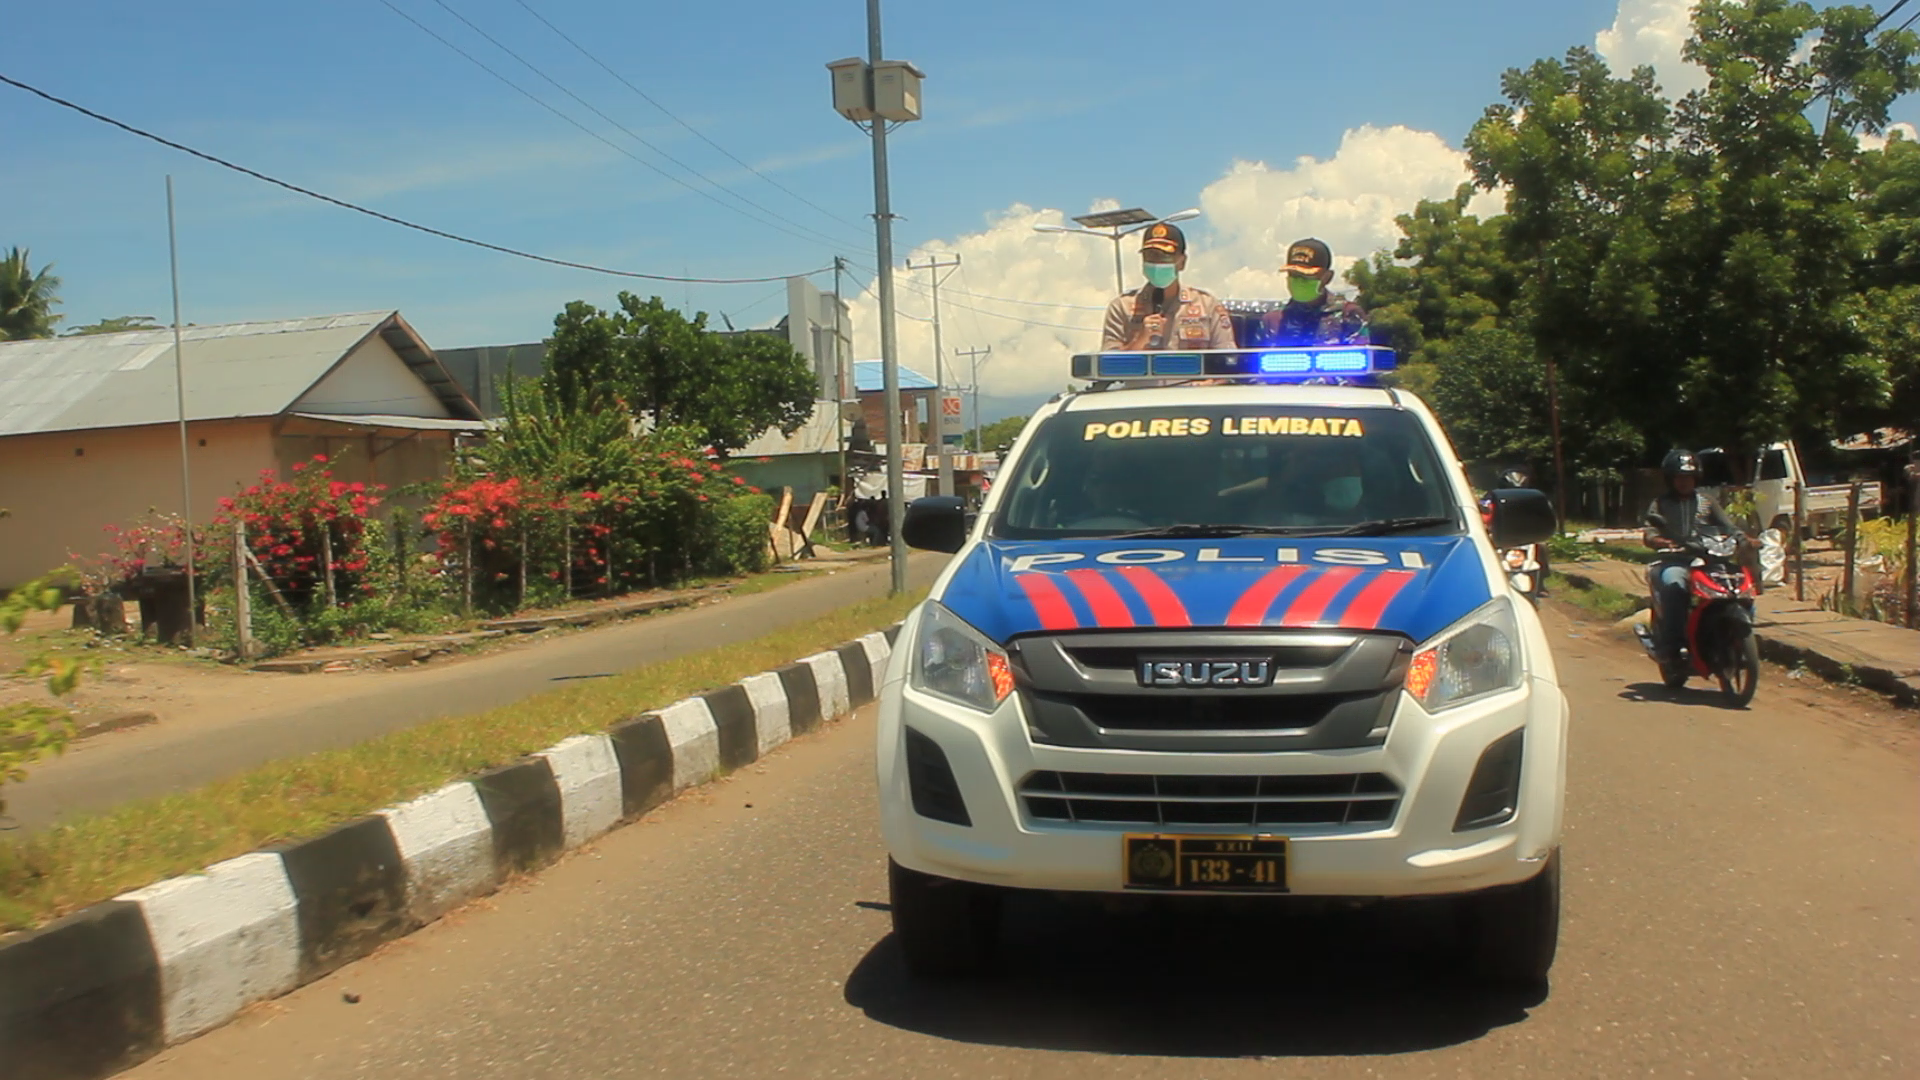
(850, 97)
(896, 91)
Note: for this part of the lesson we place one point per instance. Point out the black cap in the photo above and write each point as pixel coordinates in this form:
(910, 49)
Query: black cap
(1308, 257)
(1165, 237)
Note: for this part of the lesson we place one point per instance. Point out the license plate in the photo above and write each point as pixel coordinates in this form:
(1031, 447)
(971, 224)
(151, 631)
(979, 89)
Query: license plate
(1206, 863)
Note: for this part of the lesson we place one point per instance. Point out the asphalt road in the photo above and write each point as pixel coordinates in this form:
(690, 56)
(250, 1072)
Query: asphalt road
(182, 752)
(1739, 902)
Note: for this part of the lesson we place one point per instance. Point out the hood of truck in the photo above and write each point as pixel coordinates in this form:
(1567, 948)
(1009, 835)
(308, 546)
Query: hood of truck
(1412, 586)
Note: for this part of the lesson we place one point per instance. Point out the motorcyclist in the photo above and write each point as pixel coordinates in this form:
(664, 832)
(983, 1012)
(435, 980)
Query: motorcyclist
(1670, 521)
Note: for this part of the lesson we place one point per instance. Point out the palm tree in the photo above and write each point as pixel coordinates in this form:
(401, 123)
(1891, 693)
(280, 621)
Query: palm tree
(27, 299)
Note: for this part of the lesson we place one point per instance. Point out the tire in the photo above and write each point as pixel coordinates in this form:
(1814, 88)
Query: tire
(1740, 673)
(946, 929)
(1673, 676)
(1513, 933)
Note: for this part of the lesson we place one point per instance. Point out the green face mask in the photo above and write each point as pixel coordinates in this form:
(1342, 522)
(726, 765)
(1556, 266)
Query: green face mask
(1305, 290)
(1161, 275)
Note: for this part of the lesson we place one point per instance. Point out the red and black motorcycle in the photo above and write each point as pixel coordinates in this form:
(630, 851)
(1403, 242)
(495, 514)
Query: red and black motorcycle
(1720, 641)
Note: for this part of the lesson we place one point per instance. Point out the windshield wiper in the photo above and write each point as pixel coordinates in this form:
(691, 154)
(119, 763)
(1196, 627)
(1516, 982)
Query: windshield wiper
(1203, 532)
(1388, 526)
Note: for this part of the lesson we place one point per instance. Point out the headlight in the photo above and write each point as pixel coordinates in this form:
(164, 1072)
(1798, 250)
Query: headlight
(954, 661)
(1477, 656)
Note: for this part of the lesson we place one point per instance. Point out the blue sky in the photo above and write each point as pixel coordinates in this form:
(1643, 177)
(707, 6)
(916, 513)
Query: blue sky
(1031, 108)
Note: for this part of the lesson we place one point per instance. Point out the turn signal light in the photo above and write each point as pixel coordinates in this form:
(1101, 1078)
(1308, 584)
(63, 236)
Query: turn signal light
(1421, 671)
(1001, 674)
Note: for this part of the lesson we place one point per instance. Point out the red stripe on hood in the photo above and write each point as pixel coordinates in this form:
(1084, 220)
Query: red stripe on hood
(1108, 609)
(1365, 611)
(1251, 608)
(1311, 604)
(1162, 602)
(1048, 602)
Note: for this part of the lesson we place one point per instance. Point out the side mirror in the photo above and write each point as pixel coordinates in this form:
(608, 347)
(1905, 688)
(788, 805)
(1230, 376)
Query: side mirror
(1521, 516)
(936, 523)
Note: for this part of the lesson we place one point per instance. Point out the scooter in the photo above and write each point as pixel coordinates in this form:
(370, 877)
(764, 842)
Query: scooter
(1525, 566)
(1720, 641)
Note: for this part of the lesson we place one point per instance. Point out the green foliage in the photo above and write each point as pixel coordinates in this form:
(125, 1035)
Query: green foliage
(740, 534)
(648, 360)
(1728, 269)
(27, 299)
(1000, 433)
(29, 733)
(115, 325)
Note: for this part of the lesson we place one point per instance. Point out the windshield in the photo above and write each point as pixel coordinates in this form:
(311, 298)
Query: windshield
(1226, 470)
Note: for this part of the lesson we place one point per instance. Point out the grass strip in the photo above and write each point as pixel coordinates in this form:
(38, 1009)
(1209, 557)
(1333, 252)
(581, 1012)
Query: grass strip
(70, 866)
(1603, 600)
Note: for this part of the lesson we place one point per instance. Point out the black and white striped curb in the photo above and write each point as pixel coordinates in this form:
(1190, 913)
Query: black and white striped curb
(105, 988)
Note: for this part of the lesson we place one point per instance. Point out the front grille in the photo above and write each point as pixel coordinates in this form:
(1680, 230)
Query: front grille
(1247, 801)
(1161, 710)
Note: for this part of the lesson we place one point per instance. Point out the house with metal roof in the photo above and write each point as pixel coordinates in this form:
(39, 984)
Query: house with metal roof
(90, 436)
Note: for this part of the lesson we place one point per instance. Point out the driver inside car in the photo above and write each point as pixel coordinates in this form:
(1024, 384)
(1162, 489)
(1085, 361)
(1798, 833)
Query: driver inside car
(1307, 483)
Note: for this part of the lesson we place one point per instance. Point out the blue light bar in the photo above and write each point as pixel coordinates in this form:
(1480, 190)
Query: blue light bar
(1340, 363)
(1345, 361)
(1188, 364)
(1285, 363)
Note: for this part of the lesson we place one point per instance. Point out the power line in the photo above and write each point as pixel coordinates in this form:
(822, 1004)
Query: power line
(630, 133)
(703, 138)
(389, 218)
(537, 100)
(910, 283)
(1891, 12)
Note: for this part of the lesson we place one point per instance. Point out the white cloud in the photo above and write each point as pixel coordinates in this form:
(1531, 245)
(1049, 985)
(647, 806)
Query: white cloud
(1348, 200)
(1652, 32)
(1879, 142)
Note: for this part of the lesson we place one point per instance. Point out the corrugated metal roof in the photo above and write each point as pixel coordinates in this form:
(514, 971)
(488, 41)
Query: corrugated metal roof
(235, 370)
(869, 376)
(401, 423)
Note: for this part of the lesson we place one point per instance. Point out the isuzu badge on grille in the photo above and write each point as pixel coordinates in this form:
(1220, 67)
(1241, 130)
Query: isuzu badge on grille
(1221, 674)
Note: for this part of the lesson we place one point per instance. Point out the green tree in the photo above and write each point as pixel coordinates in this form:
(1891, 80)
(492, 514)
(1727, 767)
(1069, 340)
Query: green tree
(31, 732)
(115, 325)
(1450, 273)
(1000, 433)
(27, 299)
(649, 360)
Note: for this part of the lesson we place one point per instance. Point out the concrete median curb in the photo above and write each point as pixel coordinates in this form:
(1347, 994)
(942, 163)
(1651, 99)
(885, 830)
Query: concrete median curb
(112, 985)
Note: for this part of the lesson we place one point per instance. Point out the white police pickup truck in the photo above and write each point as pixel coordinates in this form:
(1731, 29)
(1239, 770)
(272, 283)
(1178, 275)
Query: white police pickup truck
(1229, 623)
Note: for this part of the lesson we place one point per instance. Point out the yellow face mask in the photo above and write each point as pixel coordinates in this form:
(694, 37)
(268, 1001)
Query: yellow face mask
(1304, 289)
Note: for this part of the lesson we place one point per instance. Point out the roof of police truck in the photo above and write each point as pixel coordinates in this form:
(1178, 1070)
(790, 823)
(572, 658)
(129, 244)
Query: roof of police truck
(1239, 393)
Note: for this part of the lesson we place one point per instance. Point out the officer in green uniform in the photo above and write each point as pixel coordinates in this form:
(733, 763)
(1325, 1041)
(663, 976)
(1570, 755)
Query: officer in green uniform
(1312, 315)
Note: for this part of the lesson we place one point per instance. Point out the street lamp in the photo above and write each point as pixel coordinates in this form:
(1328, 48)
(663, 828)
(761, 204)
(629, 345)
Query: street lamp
(874, 93)
(1120, 224)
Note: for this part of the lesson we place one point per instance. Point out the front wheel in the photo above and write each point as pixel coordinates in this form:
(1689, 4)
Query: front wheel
(1740, 671)
(1513, 933)
(946, 928)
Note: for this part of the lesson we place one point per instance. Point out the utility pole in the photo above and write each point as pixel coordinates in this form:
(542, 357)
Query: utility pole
(180, 396)
(933, 268)
(840, 392)
(973, 356)
(875, 91)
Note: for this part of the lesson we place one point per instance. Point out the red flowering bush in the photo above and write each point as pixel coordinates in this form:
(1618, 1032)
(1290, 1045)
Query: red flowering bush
(291, 526)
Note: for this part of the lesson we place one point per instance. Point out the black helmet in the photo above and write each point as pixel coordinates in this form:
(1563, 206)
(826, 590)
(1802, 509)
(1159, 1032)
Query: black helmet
(1680, 463)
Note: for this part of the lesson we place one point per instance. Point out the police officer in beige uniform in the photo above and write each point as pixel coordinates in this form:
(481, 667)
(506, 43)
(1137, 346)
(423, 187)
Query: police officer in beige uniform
(1166, 314)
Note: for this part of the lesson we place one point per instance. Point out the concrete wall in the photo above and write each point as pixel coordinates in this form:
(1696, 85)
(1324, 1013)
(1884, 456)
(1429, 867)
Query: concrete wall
(916, 407)
(806, 474)
(63, 489)
(372, 379)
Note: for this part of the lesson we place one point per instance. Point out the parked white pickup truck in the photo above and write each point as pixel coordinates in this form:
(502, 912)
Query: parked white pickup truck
(1777, 471)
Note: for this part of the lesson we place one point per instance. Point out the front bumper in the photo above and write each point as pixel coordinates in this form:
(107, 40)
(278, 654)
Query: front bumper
(1417, 852)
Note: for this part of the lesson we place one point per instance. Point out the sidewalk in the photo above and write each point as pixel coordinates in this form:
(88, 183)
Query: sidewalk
(1875, 655)
(276, 717)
